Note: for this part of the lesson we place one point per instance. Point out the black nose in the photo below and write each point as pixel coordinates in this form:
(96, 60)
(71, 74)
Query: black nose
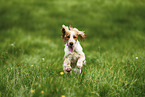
(71, 43)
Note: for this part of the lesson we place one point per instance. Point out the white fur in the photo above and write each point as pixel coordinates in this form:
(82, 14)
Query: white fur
(77, 57)
(71, 37)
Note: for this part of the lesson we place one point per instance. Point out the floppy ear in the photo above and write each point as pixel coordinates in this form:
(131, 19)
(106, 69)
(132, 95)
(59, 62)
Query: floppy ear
(63, 33)
(64, 30)
(81, 34)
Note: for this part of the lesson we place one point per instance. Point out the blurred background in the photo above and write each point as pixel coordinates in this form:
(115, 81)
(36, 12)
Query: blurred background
(102, 20)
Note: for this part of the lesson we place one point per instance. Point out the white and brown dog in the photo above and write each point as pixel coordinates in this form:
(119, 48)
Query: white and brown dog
(74, 56)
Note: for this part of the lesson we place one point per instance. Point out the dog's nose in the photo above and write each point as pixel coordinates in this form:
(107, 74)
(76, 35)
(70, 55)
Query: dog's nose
(71, 43)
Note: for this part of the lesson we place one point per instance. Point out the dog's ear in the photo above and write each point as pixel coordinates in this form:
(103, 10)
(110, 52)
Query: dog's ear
(81, 34)
(64, 30)
(63, 33)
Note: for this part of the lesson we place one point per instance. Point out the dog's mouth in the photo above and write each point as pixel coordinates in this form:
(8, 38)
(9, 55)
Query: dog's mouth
(71, 48)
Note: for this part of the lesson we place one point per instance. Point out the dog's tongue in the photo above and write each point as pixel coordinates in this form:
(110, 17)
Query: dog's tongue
(71, 49)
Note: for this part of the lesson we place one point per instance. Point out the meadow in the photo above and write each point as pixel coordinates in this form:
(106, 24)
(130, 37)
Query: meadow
(31, 49)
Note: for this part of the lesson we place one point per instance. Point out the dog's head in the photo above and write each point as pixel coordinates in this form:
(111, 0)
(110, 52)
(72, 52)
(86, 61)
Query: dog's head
(70, 35)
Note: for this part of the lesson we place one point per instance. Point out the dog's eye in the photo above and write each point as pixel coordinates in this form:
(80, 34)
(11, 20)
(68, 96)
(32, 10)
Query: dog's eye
(67, 37)
(75, 37)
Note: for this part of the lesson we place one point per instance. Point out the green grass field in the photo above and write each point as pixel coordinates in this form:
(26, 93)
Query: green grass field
(114, 47)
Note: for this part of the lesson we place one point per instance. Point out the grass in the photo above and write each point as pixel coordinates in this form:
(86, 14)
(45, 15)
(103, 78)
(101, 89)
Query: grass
(31, 30)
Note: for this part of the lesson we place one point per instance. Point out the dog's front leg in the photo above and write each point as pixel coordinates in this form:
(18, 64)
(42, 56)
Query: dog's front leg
(66, 65)
(80, 62)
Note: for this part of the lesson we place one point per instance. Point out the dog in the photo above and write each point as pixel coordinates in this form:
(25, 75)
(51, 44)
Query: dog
(74, 56)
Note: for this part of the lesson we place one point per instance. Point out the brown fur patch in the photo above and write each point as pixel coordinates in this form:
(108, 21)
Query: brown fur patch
(82, 37)
(75, 37)
(63, 33)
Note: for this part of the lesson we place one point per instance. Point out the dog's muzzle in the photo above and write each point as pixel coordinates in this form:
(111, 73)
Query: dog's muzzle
(71, 46)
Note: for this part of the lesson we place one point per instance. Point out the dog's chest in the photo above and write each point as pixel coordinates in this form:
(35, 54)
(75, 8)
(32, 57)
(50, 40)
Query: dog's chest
(74, 56)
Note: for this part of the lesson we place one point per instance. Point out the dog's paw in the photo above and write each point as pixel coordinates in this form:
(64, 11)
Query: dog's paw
(79, 66)
(77, 70)
(68, 69)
